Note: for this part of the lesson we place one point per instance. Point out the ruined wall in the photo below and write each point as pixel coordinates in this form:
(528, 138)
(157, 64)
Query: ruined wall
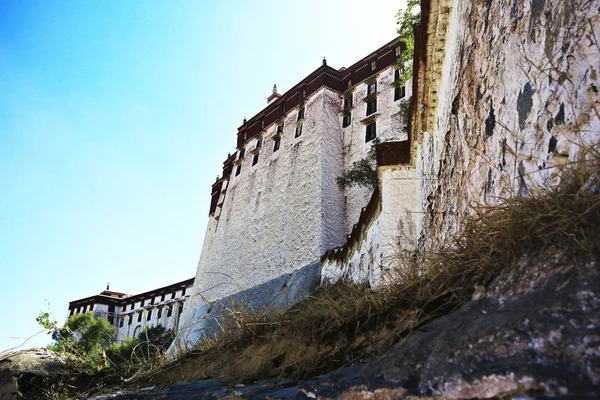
(511, 101)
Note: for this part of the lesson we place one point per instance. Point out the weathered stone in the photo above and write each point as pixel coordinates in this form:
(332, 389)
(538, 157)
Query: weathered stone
(27, 373)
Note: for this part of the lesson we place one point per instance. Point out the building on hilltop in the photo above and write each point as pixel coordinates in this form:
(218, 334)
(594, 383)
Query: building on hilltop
(277, 206)
(130, 314)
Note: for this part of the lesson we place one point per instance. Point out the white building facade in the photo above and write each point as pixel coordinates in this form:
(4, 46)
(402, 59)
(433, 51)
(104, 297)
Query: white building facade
(131, 314)
(277, 207)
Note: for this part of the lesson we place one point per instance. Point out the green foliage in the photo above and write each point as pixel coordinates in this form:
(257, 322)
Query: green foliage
(150, 344)
(362, 173)
(406, 19)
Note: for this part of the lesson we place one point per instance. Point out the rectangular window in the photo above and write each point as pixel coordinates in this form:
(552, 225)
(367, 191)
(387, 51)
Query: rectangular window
(237, 172)
(373, 65)
(121, 322)
(371, 132)
(348, 102)
(173, 295)
(349, 83)
(162, 298)
(180, 309)
(254, 161)
(301, 114)
(398, 51)
(282, 109)
(152, 301)
(169, 311)
(130, 320)
(259, 143)
(242, 153)
(399, 93)
(183, 292)
(302, 95)
(277, 143)
(298, 131)
(371, 107)
(123, 308)
(159, 313)
(346, 120)
(371, 88)
(142, 303)
(111, 308)
(131, 306)
(71, 312)
(280, 129)
(149, 317)
(139, 317)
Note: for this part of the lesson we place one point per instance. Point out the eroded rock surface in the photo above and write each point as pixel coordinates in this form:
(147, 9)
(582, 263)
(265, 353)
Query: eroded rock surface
(27, 373)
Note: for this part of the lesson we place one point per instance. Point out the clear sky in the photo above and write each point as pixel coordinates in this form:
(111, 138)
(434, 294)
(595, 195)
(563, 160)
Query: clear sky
(115, 118)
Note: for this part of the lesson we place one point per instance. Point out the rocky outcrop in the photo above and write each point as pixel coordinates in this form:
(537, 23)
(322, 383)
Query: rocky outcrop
(29, 374)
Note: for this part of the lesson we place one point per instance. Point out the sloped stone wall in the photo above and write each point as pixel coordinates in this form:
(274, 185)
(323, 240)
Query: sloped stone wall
(511, 102)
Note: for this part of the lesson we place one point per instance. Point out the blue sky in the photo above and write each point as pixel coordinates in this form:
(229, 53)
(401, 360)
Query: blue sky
(115, 118)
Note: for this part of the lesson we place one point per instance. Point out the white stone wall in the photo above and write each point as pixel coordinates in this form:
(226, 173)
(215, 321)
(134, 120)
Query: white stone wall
(518, 105)
(383, 237)
(273, 212)
(389, 127)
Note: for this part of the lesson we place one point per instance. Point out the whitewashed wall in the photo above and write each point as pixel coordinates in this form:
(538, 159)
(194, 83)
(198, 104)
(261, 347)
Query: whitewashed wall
(389, 127)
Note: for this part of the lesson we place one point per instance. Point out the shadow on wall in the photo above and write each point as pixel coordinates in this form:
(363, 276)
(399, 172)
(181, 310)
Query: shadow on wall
(273, 296)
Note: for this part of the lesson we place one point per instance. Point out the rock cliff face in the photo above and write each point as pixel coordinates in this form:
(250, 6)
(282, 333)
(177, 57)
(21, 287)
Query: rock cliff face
(506, 99)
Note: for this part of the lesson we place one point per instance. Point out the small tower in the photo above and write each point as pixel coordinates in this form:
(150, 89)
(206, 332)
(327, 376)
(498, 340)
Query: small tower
(274, 96)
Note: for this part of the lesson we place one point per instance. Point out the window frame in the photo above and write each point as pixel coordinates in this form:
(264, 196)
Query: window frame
(277, 143)
(371, 132)
(371, 107)
(254, 162)
(298, 131)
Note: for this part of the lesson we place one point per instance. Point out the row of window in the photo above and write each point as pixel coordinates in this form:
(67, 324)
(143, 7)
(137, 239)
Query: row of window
(151, 301)
(276, 141)
(149, 315)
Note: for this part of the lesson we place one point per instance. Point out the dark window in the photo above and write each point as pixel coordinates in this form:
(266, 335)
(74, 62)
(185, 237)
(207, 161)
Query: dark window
(371, 132)
(301, 114)
(259, 143)
(371, 107)
(162, 298)
(282, 108)
(346, 120)
(71, 312)
(111, 308)
(149, 317)
(373, 65)
(237, 172)
(111, 320)
(173, 295)
(242, 153)
(159, 313)
(302, 95)
(139, 317)
(130, 319)
(280, 128)
(180, 308)
(298, 130)
(169, 311)
(131, 308)
(142, 303)
(348, 102)
(123, 308)
(121, 322)
(152, 301)
(399, 93)
(255, 159)
(277, 143)
(183, 291)
(372, 88)
(397, 75)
